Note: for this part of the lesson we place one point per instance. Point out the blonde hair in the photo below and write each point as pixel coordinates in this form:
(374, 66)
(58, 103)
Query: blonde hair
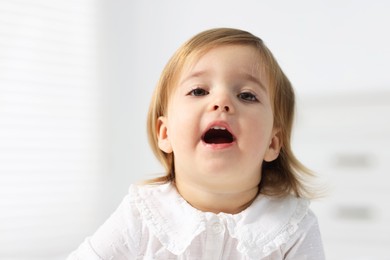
(285, 175)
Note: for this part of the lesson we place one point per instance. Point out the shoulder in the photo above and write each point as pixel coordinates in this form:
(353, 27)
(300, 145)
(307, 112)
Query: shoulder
(166, 216)
(119, 236)
(288, 214)
(151, 198)
(279, 213)
(122, 235)
(271, 224)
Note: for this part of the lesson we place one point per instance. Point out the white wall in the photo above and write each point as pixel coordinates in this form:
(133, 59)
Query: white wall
(51, 138)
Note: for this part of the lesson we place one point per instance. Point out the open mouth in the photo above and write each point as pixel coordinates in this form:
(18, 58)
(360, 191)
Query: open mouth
(217, 135)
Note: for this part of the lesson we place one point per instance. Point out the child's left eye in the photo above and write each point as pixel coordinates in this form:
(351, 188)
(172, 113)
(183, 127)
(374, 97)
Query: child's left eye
(247, 96)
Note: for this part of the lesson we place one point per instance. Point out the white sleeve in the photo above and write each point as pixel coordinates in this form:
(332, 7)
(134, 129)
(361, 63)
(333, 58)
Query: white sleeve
(307, 242)
(118, 238)
(85, 251)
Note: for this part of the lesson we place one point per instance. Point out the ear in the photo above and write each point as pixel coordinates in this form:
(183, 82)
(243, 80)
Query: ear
(162, 135)
(274, 147)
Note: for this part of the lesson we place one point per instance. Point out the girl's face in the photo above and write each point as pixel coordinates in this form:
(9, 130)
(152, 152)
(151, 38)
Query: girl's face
(219, 124)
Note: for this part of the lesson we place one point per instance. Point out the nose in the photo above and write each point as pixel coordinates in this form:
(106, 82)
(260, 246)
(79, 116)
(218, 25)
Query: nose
(222, 108)
(222, 103)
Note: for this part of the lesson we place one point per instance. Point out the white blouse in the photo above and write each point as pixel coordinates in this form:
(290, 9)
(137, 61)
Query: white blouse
(155, 222)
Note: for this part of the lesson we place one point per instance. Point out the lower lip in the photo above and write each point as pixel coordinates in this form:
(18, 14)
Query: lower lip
(219, 146)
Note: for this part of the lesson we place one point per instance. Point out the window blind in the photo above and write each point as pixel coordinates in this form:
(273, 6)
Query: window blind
(50, 134)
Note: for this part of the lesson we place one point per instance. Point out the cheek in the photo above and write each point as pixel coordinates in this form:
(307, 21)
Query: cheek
(183, 118)
(180, 133)
(260, 132)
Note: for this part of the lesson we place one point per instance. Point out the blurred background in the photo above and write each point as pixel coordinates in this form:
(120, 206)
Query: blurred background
(76, 78)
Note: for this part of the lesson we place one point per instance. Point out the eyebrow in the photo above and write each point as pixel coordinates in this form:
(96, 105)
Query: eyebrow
(196, 74)
(254, 79)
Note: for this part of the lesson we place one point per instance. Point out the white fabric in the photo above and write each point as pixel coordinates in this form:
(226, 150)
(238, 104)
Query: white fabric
(155, 222)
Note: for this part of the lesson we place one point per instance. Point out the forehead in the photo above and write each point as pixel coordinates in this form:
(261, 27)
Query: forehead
(231, 50)
(244, 59)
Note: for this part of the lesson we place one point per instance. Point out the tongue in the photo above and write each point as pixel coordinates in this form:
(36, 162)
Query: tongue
(219, 140)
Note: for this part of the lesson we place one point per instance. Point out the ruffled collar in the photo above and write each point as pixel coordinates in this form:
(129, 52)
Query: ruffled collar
(260, 229)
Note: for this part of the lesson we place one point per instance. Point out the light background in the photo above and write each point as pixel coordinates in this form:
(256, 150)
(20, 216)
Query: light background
(336, 53)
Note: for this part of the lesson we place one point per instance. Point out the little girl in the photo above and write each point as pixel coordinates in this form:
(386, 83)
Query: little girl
(220, 122)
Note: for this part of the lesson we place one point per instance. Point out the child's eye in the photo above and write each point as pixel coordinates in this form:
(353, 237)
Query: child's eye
(247, 96)
(198, 92)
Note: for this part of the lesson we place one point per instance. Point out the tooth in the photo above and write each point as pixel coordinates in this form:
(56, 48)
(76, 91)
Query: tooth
(219, 128)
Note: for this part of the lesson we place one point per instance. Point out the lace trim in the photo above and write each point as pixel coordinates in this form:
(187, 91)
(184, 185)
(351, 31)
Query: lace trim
(290, 228)
(174, 238)
(263, 245)
(177, 238)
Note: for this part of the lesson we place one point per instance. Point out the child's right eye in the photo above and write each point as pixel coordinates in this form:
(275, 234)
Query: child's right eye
(198, 92)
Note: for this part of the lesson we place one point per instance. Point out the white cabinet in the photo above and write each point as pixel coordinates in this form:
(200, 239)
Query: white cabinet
(346, 141)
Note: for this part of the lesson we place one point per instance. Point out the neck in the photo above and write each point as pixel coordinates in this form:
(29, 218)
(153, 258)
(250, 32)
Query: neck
(216, 202)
